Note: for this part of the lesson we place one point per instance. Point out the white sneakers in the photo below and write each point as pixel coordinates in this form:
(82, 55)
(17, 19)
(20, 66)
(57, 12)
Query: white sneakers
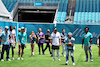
(58, 60)
(20, 58)
(68, 64)
(99, 57)
(13, 58)
(73, 63)
(64, 55)
(8, 60)
(2, 60)
(92, 60)
(53, 59)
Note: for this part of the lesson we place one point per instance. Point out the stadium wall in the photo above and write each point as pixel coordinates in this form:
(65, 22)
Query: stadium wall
(77, 30)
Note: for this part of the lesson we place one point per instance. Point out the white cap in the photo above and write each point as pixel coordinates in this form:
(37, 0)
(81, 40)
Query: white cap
(69, 33)
(6, 27)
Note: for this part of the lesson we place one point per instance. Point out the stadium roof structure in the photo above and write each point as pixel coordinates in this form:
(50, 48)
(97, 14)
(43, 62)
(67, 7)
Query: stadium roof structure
(3, 11)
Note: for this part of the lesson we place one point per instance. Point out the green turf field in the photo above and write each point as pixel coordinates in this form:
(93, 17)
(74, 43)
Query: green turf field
(46, 60)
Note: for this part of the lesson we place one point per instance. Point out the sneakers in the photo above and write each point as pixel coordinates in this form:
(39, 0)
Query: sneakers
(2, 60)
(99, 57)
(8, 60)
(18, 58)
(59, 60)
(21, 58)
(64, 55)
(66, 63)
(91, 60)
(53, 59)
(13, 58)
(73, 63)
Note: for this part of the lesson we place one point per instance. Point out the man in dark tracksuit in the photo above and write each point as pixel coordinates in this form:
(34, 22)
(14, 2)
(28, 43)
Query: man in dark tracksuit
(47, 41)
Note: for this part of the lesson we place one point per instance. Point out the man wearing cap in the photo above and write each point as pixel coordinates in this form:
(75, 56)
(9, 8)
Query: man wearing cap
(63, 36)
(47, 40)
(40, 40)
(22, 41)
(55, 43)
(87, 41)
(69, 41)
(6, 43)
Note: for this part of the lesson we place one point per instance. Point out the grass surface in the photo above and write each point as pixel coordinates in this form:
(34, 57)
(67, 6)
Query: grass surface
(46, 60)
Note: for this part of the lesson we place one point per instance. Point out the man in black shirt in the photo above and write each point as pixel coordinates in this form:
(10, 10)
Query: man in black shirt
(47, 40)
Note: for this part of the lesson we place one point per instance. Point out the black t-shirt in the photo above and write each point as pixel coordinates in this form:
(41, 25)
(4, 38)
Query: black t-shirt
(47, 35)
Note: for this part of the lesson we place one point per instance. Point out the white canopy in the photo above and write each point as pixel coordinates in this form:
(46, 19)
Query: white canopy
(3, 11)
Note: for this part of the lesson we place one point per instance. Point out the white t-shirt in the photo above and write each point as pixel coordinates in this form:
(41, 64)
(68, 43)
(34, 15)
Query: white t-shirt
(55, 38)
(13, 35)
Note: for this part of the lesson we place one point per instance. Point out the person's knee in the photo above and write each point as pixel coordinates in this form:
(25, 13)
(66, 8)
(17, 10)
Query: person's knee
(71, 54)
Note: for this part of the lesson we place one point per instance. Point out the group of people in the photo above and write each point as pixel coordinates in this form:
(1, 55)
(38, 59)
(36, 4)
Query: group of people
(53, 40)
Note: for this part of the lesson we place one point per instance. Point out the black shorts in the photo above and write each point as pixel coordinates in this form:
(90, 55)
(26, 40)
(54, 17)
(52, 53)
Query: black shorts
(55, 47)
(22, 46)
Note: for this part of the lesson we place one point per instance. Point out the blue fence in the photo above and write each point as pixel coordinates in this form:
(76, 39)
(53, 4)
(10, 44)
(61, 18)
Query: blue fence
(77, 30)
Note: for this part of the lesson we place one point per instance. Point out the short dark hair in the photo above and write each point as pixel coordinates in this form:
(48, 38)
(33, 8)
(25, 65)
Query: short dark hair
(86, 27)
(63, 29)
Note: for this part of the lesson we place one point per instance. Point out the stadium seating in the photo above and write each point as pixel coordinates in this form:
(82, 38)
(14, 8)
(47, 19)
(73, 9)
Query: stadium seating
(9, 4)
(87, 12)
(62, 11)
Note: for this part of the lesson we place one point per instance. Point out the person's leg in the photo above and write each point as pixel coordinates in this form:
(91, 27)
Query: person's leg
(31, 48)
(63, 49)
(19, 51)
(58, 54)
(46, 47)
(53, 54)
(22, 53)
(12, 52)
(0, 48)
(49, 48)
(2, 53)
(39, 47)
(67, 56)
(72, 56)
(7, 52)
(42, 48)
(91, 56)
(86, 53)
(99, 51)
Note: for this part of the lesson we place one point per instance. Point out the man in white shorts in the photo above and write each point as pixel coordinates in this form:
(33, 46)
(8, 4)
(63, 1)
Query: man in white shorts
(55, 43)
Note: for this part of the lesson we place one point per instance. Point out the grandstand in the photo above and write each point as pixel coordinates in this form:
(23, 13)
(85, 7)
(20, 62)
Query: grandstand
(87, 12)
(54, 11)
